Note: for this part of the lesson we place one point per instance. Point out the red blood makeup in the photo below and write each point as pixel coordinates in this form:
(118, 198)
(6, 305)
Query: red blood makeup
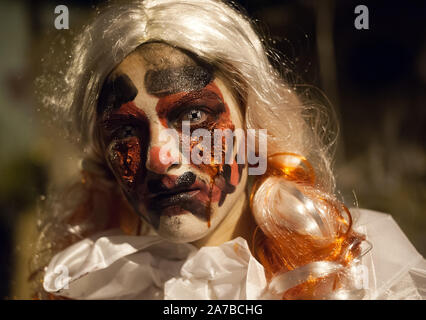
(207, 106)
(125, 158)
(172, 96)
(126, 132)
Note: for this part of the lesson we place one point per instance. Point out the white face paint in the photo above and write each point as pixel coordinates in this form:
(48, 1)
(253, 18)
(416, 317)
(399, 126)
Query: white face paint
(154, 89)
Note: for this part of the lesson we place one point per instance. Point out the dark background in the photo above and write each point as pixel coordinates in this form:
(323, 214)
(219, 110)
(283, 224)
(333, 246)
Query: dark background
(375, 79)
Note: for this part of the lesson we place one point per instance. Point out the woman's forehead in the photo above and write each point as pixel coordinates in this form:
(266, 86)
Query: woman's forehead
(154, 70)
(160, 55)
(165, 70)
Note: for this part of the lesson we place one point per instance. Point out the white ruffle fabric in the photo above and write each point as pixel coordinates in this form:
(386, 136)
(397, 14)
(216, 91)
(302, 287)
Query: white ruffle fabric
(116, 266)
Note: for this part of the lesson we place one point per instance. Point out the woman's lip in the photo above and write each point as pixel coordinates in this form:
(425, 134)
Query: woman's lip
(170, 193)
(172, 198)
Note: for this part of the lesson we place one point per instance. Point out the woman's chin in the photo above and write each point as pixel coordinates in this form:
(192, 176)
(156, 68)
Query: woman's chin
(184, 227)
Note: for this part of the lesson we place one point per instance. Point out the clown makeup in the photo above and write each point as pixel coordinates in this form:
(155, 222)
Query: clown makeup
(157, 87)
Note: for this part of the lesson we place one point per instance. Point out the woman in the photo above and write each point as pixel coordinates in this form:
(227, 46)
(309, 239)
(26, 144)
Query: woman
(161, 215)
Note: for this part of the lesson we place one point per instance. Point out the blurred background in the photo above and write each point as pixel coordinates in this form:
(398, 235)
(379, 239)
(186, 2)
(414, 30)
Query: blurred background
(375, 79)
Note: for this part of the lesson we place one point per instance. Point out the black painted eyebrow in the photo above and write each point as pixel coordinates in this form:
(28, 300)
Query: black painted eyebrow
(183, 79)
(116, 91)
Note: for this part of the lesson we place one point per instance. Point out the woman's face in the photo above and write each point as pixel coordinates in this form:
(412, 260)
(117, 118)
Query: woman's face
(159, 87)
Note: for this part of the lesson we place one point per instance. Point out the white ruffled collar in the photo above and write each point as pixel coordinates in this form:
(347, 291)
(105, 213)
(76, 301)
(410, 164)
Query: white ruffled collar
(116, 266)
(112, 265)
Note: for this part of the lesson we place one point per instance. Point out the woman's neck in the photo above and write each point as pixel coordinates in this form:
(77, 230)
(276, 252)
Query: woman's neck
(238, 223)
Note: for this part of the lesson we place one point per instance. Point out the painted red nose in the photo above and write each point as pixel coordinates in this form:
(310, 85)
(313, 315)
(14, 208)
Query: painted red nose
(158, 162)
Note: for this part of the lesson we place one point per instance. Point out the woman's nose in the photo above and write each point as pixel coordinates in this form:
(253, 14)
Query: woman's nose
(163, 151)
(159, 161)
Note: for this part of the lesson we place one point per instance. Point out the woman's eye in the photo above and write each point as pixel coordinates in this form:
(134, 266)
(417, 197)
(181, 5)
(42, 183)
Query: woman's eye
(125, 132)
(195, 116)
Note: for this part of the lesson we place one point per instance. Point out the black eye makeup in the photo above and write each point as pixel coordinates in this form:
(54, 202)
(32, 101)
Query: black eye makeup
(116, 91)
(125, 131)
(122, 127)
(127, 121)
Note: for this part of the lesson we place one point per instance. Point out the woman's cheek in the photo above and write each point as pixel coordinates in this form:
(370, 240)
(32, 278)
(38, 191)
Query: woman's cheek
(124, 156)
(224, 176)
